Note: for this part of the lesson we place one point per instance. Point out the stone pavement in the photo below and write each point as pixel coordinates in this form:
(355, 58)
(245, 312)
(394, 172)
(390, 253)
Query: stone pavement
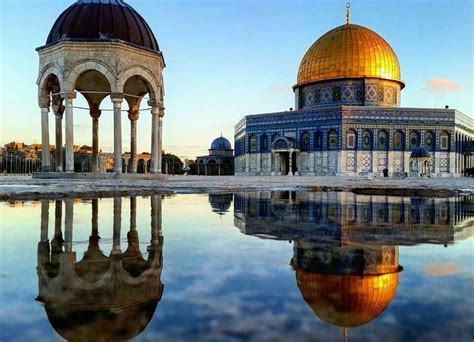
(24, 187)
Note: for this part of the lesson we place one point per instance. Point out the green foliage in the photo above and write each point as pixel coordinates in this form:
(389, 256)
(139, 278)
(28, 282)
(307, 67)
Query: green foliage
(172, 165)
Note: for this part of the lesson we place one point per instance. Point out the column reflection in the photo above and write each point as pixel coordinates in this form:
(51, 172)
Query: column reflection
(101, 297)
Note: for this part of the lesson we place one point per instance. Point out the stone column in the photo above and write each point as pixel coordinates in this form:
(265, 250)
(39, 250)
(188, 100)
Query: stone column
(117, 100)
(133, 117)
(155, 219)
(44, 220)
(117, 225)
(95, 114)
(68, 225)
(45, 157)
(160, 138)
(59, 138)
(272, 164)
(155, 133)
(58, 215)
(95, 217)
(69, 131)
(133, 213)
(290, 163)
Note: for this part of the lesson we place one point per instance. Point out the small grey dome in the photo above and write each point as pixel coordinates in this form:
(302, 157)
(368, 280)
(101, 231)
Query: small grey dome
(221, 143)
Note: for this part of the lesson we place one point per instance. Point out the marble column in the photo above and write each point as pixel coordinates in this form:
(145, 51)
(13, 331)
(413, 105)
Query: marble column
(95, 217)
(133, 117)
(290, 163)
(272, 164)
(58, 215)
(155, 132)
(160, 138)
(44, 220)
(68, 225)
(117, 100)
(59, 138)
(155, 219)
(117, 225)
(95, 114)
(133, 213)
(69, 132)
(45, 157)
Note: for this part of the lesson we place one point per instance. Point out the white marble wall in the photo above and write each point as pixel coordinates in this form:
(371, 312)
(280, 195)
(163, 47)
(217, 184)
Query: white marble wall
(347, 163)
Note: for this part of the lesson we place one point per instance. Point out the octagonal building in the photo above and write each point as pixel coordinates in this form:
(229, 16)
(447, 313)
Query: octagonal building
(348, 120)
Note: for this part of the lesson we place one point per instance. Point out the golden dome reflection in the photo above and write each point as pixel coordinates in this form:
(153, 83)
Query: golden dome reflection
(347, 300)
(349, 51)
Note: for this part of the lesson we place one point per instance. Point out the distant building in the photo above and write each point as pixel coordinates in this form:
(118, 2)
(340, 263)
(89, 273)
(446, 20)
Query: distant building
(348, 120)
(219, 162)
(18, 157)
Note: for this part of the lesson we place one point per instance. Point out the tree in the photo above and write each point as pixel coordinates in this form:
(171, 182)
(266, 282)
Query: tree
(171, 164)
(192, 165)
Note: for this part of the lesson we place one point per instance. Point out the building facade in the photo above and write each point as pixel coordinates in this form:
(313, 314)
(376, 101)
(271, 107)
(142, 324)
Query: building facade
(348, 120)
(219, 162)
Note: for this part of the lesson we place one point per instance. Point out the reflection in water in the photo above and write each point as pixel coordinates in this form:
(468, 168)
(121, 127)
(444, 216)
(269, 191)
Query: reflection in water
(100, 297)
(346, 245)
(220, 203)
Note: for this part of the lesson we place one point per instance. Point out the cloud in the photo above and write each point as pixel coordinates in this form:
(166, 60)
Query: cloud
(276, 88)
(442, 270)
(442, 84)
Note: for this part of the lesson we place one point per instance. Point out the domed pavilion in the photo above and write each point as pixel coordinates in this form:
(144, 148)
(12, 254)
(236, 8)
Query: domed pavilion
(100, 49)
(220, 161)
(347, 118)
(101, 297)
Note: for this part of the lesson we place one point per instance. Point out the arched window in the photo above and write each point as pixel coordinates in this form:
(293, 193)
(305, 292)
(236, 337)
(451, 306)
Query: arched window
(367, 140)
(318, 140)
(280, 144)
(399, 140)
(332, 139)
(304, 143)
(253, 143)
(383, 140)
(351, 139)
(414, 139)
(430, 140)
(444, 140)
(264, 143)
(275, 136)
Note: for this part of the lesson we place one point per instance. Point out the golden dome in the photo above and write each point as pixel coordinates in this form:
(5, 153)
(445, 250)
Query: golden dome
(347, 300)
(349, 51)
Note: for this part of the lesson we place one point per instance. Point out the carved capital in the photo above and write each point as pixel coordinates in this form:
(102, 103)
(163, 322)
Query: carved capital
(133, 115)
(69, 96)
(116, 97)
(153, 103)
(95, 113)
(58, 110)
(43, 101)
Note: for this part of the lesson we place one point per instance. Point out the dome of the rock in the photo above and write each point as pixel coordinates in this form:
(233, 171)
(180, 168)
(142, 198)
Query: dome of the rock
(349, 51)
(347, 300)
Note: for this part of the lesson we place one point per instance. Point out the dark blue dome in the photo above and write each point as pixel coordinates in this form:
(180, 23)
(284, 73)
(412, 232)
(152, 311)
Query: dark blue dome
(420, 152)
(221, 143)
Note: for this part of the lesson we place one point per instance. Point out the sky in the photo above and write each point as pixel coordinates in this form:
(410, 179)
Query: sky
(229, 58)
